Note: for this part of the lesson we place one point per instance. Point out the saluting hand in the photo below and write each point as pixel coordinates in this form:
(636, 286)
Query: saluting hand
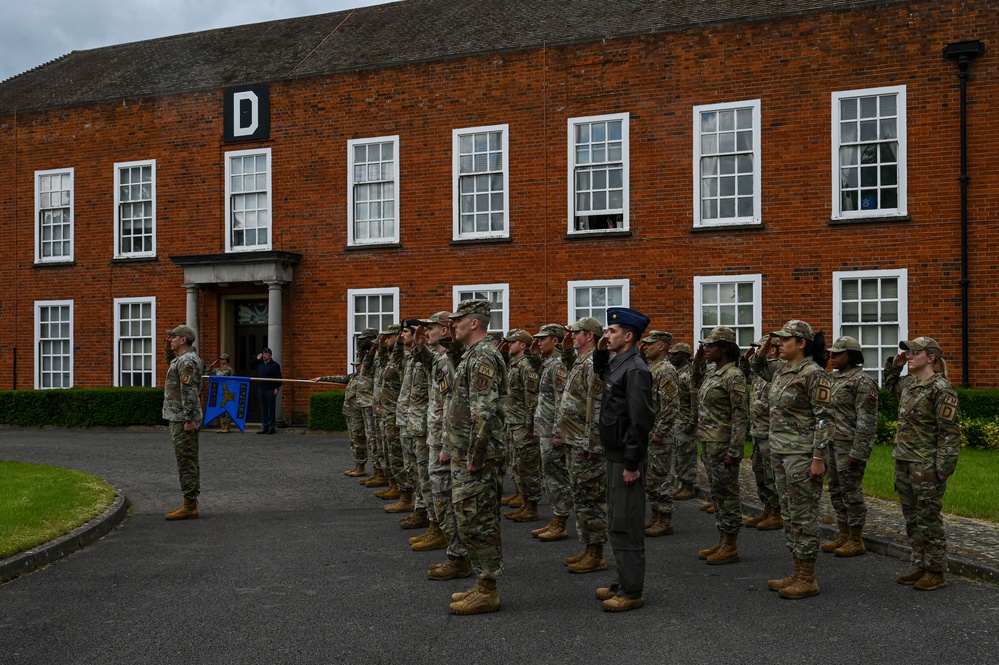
(899, 360)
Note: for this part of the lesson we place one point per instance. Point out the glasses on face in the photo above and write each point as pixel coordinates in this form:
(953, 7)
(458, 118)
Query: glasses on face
(912, 354)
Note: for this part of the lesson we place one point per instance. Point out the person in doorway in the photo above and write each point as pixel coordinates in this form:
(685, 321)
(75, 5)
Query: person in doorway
(267, 368)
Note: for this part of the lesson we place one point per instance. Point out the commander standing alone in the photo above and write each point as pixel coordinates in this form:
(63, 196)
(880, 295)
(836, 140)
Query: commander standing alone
(182, 409)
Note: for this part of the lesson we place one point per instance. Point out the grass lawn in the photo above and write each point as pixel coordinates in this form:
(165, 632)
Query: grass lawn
(39, 503)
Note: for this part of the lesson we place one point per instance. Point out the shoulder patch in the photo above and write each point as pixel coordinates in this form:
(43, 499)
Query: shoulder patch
(823, 393)
(738, 394)
(531, 381)
(598, 386)
(561, 373)
(948, 410)
(444, 385)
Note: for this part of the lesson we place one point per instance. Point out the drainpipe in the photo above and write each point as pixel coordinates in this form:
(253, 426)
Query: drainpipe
(963, 52)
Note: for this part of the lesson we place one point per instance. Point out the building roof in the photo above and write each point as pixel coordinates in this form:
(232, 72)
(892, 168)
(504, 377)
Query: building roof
(369, 37)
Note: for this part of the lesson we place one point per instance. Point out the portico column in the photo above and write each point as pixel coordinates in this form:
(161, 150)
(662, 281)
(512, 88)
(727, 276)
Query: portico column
(193, 290)
(274, 332)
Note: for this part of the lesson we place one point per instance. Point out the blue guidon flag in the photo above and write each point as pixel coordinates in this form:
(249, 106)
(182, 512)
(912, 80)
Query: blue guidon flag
(228, 394)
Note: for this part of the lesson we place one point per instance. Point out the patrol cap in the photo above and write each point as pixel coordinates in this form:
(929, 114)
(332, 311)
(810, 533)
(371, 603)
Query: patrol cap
(393, 329)
(183, 331)
(369, 333)
(658, 336)
(551, 330)
(720, 334)
(440, 318)
(795, 328)
(763, 340)
(681, 347)
(466, 307)
(495, 336)
(626, 316)
(267, 349)
(224, 356)
(921, 344)
(411, 323)
(519, 335)
(589, 324)
(845, 343)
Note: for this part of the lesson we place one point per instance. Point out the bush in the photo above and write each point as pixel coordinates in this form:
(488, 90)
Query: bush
(82, 407)
(978, 402)
(885, 433)
(980, 433)
(979, 418)
(326, 411)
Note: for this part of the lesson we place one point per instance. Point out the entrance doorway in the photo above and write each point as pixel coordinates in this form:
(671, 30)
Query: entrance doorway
(250, 336)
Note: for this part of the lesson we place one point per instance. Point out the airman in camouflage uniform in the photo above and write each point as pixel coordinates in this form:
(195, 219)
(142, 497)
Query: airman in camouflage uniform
(182, 409)
(577, 426)
(412, 413)
(475, 427)
(759, 430)
(854, 413)
(800, 397)
(224, 369)
(662, 446)
(352, 414)
(518, 407)
(722, 415)
(388, 381)
(926, 449)
(545, 351)
(365, 401)
(684, 471)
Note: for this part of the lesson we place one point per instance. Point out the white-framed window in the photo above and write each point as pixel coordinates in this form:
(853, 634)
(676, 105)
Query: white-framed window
(869, 153)
(53, 344)
(134, 341)
(497, 294)
(729, 300)
(54, 216)
(593, 297)
(369, 308)
(727, 164)
(373, 191)
(872, 306)
(481, 182)
(135, 209)
(598, 173)
(248, 200)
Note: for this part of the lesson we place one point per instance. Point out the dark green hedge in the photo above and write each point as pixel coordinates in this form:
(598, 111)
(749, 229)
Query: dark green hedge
(979, 418)
(326, 411)
(82, 407)
(975, 403)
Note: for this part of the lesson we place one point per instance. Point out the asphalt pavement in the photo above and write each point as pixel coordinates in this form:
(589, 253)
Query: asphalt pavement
(291, 562)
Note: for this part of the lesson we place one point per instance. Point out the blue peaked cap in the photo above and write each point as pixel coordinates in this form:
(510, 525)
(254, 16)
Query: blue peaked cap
(628, 317)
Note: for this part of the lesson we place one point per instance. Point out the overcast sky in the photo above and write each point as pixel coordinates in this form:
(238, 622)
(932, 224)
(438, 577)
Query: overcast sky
(33, 32)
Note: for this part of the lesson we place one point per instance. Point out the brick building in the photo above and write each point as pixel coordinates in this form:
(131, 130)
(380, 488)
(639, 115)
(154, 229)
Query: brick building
(292, 182)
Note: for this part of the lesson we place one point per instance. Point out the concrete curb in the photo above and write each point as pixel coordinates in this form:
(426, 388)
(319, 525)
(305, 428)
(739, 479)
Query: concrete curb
(957, 564)
(33, 559)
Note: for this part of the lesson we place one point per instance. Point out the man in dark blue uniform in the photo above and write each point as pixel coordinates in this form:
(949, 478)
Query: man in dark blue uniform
(267, 391)
(626, 418)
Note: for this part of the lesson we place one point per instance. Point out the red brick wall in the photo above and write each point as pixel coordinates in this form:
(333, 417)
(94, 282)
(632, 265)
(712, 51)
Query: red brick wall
(792, 65)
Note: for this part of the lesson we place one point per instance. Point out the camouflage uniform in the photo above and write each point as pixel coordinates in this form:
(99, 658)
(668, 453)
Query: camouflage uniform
(419, 397)
(799, 432)
(181, 403)
(352, 414)
(684, 471)
(553, 460)
(518, 409)
(929, 435)
(662, 447)
(577, 422)
(408, 480)
(759, 430)
(475, 427)
(391, 368)
(365, 380)
(854, 414)
(722, 413)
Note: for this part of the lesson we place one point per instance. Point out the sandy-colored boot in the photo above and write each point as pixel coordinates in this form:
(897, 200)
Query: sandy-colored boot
(844, 535)
(729, 551)
(805, 585)
(777, 585)
(189, 511)
(529, 513)
(576, 558)
(911, 577)
(557, 530)
(435, 540)
(451, 569)
(540, 530)
(686, 492)
(403, 505)
(652, 520)
(484, 599)
(356, 472)
(418, 520)
(513, 500)
(389, 493)
(379, 479)
(772, 521)
(704, 554)
(854, 546)
(662, 527)
(930, 582)
(592, 562)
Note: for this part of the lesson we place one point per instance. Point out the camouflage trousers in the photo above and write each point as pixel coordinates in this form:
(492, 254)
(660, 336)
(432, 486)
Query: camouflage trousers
(526, 464)
(763, 471)
(588, 479)
(355, 430)
(440, 508)
(556, 475)
(724, 481)
(476, 500)
(799, 503)
(371, 437)
(406, 479)
(626, 528)
(390, 446)
(684, 471)
(921, 492)
(185, 448)
(658, 481)
(421, 491)
(846, 484)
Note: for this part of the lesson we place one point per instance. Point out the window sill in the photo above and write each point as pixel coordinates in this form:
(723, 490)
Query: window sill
(54, 264)
(891, 219)
(134, 259)
(599, 235)
(481, 241)
(379, 245)
(721, 228)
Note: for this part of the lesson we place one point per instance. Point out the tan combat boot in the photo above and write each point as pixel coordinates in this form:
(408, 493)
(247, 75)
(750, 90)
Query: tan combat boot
(686, 492)
(911, 577)
(844, 535)
(605, 593)
(540, 530)
(225, 428)
(931, 581)
(514, 513)
(509, 500)
(805, 585)
(592, 562)
(854, 546)
(435, 540)
(451, 569)
(729, 551)
(652, 520)
(189, 511)
(777, 585)
(704, 554)
(622, 604)
(379, 479)
(529, 513)
(356, 472)
(557, 530)
(708, 507)
(576, 558)
(390, 492)
(772, 521)
(484, 599)
(403, 505)
(662, 527)
(415, 539)
(752, 522)
(418, 520)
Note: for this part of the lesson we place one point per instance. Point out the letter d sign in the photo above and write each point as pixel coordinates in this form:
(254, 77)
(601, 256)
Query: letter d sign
(246, 113)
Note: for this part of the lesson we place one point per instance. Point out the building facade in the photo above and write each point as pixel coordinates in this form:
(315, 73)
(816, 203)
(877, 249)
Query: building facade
(290, 183)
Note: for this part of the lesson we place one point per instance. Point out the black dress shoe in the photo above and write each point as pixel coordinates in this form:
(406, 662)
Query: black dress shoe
(270, 431)
(263, 431)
